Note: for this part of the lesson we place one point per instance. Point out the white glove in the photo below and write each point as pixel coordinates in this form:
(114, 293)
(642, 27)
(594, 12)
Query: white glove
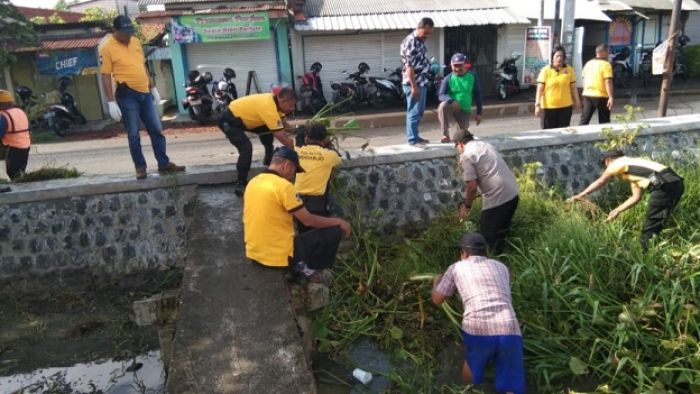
(114, 111)
(156, 95)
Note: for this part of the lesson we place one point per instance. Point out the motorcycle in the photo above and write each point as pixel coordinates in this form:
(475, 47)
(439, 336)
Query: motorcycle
(434, 79)
(387, 92)
(347, 95)
(506, 77)
(396, 78)
(645, 65)
(680, 69)
(622, 70)
(311, 91)
(198, 101)
(224, 91)
(59, 109)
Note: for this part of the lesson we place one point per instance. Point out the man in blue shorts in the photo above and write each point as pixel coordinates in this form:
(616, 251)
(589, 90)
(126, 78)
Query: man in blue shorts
(490, 330)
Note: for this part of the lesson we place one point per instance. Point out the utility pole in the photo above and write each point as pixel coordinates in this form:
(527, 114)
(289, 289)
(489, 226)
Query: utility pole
(567, 31)
(556, 29)
(668, 63)
(540, 20)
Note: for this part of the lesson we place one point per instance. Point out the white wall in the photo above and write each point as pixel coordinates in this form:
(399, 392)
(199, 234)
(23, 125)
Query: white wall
(692, 27)
(511, 38)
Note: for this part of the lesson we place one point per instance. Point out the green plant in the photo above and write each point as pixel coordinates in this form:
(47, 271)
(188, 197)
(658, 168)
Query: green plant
(624, 138)
(326, 117)
(47, 173)
(691, 55)
(16, 31)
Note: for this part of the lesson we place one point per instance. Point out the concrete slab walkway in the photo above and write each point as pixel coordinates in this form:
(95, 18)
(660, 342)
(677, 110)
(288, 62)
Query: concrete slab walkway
(236, 331)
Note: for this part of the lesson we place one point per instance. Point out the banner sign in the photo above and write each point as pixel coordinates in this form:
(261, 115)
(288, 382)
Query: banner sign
(620, 32)
(658, 58)
(538, 44)
(190, 29)
(64, 63)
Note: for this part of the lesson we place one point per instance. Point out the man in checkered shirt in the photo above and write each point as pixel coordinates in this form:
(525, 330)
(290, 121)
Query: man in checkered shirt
(416, 65)
(490, 330)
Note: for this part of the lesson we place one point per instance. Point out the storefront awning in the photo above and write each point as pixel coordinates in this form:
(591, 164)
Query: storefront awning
(585, 9)
(408, 20)
(61, 44)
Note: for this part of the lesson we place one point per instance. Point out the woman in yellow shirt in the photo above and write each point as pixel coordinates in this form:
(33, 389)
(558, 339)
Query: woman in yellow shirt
(556, 92)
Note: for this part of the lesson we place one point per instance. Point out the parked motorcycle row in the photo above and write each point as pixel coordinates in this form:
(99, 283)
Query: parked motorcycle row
(623, 72)
(56, 110)
(203, 103)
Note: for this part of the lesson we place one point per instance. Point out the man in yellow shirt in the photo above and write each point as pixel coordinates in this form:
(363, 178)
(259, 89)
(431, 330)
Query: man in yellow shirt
(135, 97)
(270, 203)
(664, 185)
(262, 114)
(318, 161)
(597, 87)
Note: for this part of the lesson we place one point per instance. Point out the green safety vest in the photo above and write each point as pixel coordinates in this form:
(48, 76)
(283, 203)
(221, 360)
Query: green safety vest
(462, 90)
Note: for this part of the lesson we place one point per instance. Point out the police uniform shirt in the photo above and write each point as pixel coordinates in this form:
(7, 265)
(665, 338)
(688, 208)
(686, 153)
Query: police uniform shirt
(258, 110)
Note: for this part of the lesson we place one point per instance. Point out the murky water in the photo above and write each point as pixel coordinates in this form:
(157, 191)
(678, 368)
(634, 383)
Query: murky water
(142, 374)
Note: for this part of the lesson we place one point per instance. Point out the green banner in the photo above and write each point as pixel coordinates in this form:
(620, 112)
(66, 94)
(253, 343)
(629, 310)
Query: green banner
(190, 29)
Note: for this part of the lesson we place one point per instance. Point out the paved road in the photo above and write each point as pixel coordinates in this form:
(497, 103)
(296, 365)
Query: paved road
(108, 156)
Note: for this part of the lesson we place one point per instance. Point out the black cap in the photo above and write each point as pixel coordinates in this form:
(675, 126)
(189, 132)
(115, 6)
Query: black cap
(317, 132)
(611, 154)
(123, 23)
(473, 241)
(462, 136)
(289, 154)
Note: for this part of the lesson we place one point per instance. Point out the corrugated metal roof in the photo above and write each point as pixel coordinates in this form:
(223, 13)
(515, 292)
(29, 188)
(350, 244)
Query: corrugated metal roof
(68, 43)
(408, 20)
(230, 3)
(67, 16)
(687, 5)
(613, 5)
(585, 9)
(316, 8)
(275, 12)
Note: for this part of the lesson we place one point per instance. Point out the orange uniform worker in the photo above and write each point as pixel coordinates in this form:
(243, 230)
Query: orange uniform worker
(14, 129)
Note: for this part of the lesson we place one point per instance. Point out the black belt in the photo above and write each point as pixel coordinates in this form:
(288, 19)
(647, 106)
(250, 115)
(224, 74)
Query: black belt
(658, 179)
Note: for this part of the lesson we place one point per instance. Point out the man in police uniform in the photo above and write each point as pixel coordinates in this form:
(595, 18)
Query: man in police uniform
(318, 160)
(14, 128)
(270, 203)
(597, 87)
(136, 96)
(665, 185)
(264, 115)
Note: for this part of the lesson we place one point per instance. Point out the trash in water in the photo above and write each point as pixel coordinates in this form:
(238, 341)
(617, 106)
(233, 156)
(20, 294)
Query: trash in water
(362, 375)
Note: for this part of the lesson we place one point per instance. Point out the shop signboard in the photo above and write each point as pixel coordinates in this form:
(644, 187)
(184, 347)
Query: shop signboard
(189, 29)
(538, 44)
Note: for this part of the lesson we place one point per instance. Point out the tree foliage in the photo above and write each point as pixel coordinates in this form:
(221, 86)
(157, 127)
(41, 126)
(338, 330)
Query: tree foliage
(97, 14)
(61, 5)
(16, 31)
(53, 19)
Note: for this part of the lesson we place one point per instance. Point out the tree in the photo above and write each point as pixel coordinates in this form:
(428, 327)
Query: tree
(39, 20)
(97, 14)
(16, 31)
(60, 5)
(56, 18)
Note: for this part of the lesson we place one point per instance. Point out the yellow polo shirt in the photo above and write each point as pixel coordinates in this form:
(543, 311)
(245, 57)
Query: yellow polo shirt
(594, 74)
(557, 87)
(634, 170)
(268, 204)
(126, 63)
(318, 163)
(258, 110)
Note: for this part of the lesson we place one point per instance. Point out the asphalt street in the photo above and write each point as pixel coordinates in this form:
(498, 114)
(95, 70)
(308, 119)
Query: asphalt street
(108, 156)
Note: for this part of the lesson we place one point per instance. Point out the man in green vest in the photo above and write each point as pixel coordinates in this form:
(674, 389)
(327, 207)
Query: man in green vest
(459, 90)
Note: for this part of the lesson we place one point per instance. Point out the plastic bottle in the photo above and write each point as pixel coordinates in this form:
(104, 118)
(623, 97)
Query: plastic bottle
(362, 375)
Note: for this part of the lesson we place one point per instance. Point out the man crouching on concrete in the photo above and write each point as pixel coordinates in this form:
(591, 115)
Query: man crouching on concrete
(270, 203)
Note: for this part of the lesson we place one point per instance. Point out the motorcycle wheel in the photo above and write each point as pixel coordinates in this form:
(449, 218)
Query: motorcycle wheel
(620, 77)
(81, 118)
(60, 126)
(377, 102)
(502, 92)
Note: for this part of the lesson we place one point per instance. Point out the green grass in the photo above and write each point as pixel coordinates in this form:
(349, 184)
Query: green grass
(48, 173)
(593, 306)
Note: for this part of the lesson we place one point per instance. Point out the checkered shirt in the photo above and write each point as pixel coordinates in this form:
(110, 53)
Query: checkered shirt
(483, 285)
(414, 53)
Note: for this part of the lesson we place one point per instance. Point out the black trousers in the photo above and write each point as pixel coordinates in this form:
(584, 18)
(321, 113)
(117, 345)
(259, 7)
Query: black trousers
(318, 205)
(590, 104)
(661, 203)
(559, 117)
(16, 161)
(495, 224)
(234, 129)
(317, 247)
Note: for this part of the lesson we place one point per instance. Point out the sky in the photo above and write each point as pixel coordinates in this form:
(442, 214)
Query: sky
(34, 3)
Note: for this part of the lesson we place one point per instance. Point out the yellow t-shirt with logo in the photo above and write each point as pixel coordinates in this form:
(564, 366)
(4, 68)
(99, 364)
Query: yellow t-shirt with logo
(127, 64)
(268, 204)
(594, 74)
(258, 110)
(318, 163)
(557, 87)
(634, 170)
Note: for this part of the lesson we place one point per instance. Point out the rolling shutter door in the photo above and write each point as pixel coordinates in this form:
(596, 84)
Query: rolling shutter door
(242, 56)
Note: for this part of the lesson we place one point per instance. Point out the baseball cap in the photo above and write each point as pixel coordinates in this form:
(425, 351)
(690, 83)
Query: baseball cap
(473, 241)
(317, 132)
(612, 154)
(123, 23)
(6, 97)
(459, 58)
(289, 154)
(461, 135)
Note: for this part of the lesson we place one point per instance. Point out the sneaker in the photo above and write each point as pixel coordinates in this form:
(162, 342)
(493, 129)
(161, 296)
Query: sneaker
(170, 168)
(420, 145)
(302, 270)
(141, 173)
(445, 139)
(423, 140)
(239, 188)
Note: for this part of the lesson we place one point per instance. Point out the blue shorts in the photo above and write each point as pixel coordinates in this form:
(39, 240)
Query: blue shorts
(506, 352)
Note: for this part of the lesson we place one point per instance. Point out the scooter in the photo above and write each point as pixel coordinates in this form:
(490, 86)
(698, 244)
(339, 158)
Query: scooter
(645, 65)
(311, 91)
(347, 95)
(506, 78)
(622, 70)
(387, 92)
(680, 70)
(198, 101)
(58, 107)
(396, 78)
(224, 91)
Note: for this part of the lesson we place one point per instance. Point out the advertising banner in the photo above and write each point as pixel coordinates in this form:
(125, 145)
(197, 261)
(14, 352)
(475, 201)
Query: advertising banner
(64, 63)
(538, 47)
(190, 29)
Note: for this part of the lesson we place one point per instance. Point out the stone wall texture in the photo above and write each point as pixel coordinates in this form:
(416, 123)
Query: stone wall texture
(101, 235)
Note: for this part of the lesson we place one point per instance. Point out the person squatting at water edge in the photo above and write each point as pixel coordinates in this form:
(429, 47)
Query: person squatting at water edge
(664, 185)
(270, 203)
(490, 329)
